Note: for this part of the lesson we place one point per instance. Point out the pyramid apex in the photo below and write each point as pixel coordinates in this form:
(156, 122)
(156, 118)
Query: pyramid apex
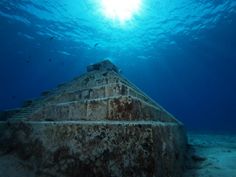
(103, 65)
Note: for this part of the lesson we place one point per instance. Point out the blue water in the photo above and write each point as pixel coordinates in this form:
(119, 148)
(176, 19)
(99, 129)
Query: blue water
(181, 53)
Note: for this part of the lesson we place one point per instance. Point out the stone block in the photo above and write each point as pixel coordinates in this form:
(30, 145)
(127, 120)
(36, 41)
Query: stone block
(97, 109)
(101, 148)
(104, 65)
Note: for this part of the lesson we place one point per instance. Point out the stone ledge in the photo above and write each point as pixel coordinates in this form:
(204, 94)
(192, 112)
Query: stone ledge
(99, 122)
(108, 108)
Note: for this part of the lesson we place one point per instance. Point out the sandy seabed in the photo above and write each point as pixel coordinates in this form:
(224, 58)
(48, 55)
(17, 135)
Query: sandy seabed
(212, 155)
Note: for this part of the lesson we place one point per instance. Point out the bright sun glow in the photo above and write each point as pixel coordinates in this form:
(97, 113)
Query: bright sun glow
(121, 10)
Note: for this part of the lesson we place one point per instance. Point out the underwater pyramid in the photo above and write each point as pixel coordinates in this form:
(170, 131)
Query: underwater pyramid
(98, 124)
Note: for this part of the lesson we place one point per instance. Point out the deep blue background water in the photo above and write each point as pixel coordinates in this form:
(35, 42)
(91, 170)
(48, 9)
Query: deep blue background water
(181, 53)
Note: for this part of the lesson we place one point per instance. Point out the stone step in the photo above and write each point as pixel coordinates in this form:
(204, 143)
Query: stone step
(116, 86)
(101, 91)
(150, 147)
(25, 112)
(108, 108)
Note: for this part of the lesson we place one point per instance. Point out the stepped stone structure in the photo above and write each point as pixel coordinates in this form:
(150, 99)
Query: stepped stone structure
(98, 124)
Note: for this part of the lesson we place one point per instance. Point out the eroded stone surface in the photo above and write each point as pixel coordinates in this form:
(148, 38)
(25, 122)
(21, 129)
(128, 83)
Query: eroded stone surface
(98, 124)
(99, 148)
